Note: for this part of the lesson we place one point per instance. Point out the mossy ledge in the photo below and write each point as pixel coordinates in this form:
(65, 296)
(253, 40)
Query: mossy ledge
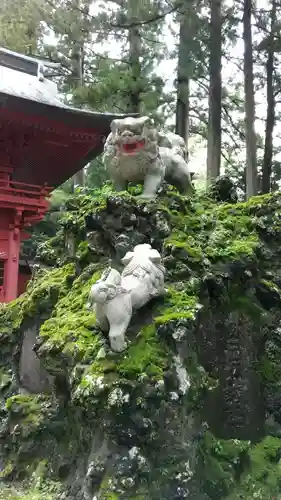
(134, 425)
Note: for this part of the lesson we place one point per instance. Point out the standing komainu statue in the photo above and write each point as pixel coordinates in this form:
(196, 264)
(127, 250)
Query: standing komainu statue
(136, 152)
(116, 295)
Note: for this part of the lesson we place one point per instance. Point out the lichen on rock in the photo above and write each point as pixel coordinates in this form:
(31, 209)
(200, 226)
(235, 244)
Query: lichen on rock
(191, 409)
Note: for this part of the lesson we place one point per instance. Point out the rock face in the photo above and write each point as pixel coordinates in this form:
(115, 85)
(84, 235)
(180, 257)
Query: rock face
(191, 408)
(33, 376)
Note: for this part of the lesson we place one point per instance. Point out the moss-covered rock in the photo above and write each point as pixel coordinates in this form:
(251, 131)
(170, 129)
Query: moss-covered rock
(184, 411)
(40, 490)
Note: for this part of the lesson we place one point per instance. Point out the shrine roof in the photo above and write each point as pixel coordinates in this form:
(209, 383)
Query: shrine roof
(56, 110)
(59, 139)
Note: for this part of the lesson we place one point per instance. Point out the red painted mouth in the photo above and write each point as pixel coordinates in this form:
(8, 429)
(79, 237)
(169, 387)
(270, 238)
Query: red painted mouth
(133, 147)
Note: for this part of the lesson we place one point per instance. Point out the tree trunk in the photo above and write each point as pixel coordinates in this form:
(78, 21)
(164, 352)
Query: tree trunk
(134, 39)
(251, 142)
(77, 78)
(270, 116)
(183, 83)
(77, 81)
(215, 94)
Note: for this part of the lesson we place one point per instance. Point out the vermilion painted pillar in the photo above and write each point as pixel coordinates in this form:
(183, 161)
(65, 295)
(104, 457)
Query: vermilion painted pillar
(20, 206)
(12, 265)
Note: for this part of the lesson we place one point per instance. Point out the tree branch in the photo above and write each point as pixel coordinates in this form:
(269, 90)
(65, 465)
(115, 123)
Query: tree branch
(133, 24)
(154, 19)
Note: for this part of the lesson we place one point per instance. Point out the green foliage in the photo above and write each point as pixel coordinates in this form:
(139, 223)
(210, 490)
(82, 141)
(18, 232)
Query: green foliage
(48, 227)
(96, 175)
(21, 27)
(235, 469)
(221, 463)
(262, 480)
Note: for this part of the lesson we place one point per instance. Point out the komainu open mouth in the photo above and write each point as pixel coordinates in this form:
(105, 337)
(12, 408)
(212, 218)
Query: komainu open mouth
(132, 147)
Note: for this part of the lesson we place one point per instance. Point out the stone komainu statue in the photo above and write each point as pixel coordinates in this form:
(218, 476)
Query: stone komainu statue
(116, 295)
(136, 152)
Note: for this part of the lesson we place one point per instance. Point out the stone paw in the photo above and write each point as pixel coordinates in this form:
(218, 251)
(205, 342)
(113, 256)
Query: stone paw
(117, 345)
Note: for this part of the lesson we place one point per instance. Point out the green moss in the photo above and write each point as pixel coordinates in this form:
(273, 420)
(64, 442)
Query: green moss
(109, 496)
(146, 355)
(37, 488)
(220, 232)
(27, 411)
(50, 251)
(271, 286)
(182, 241)
(83, 251)
(29, 417)
(41, 295)
(221, 461)
(23, 404)
(111, 488)
(71, 328)
(18, 493)
(270, 370)
(229, 248)
(7, 470)
(233, 234)
(50, 286)
(262, 480)
(5, 379)
(179, 305)
(254, 468)
(80, 206)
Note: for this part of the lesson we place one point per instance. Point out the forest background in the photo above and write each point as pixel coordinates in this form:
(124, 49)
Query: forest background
(209, 70)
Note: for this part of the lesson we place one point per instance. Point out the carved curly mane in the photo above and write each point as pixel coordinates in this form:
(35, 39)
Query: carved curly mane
(148, 266)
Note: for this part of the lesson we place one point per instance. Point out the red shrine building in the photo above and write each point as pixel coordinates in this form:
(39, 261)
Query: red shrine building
(43, 142)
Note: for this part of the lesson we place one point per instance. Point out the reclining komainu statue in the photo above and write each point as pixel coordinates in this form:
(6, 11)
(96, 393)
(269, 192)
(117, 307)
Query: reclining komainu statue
(116, 295)
(135, 152)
